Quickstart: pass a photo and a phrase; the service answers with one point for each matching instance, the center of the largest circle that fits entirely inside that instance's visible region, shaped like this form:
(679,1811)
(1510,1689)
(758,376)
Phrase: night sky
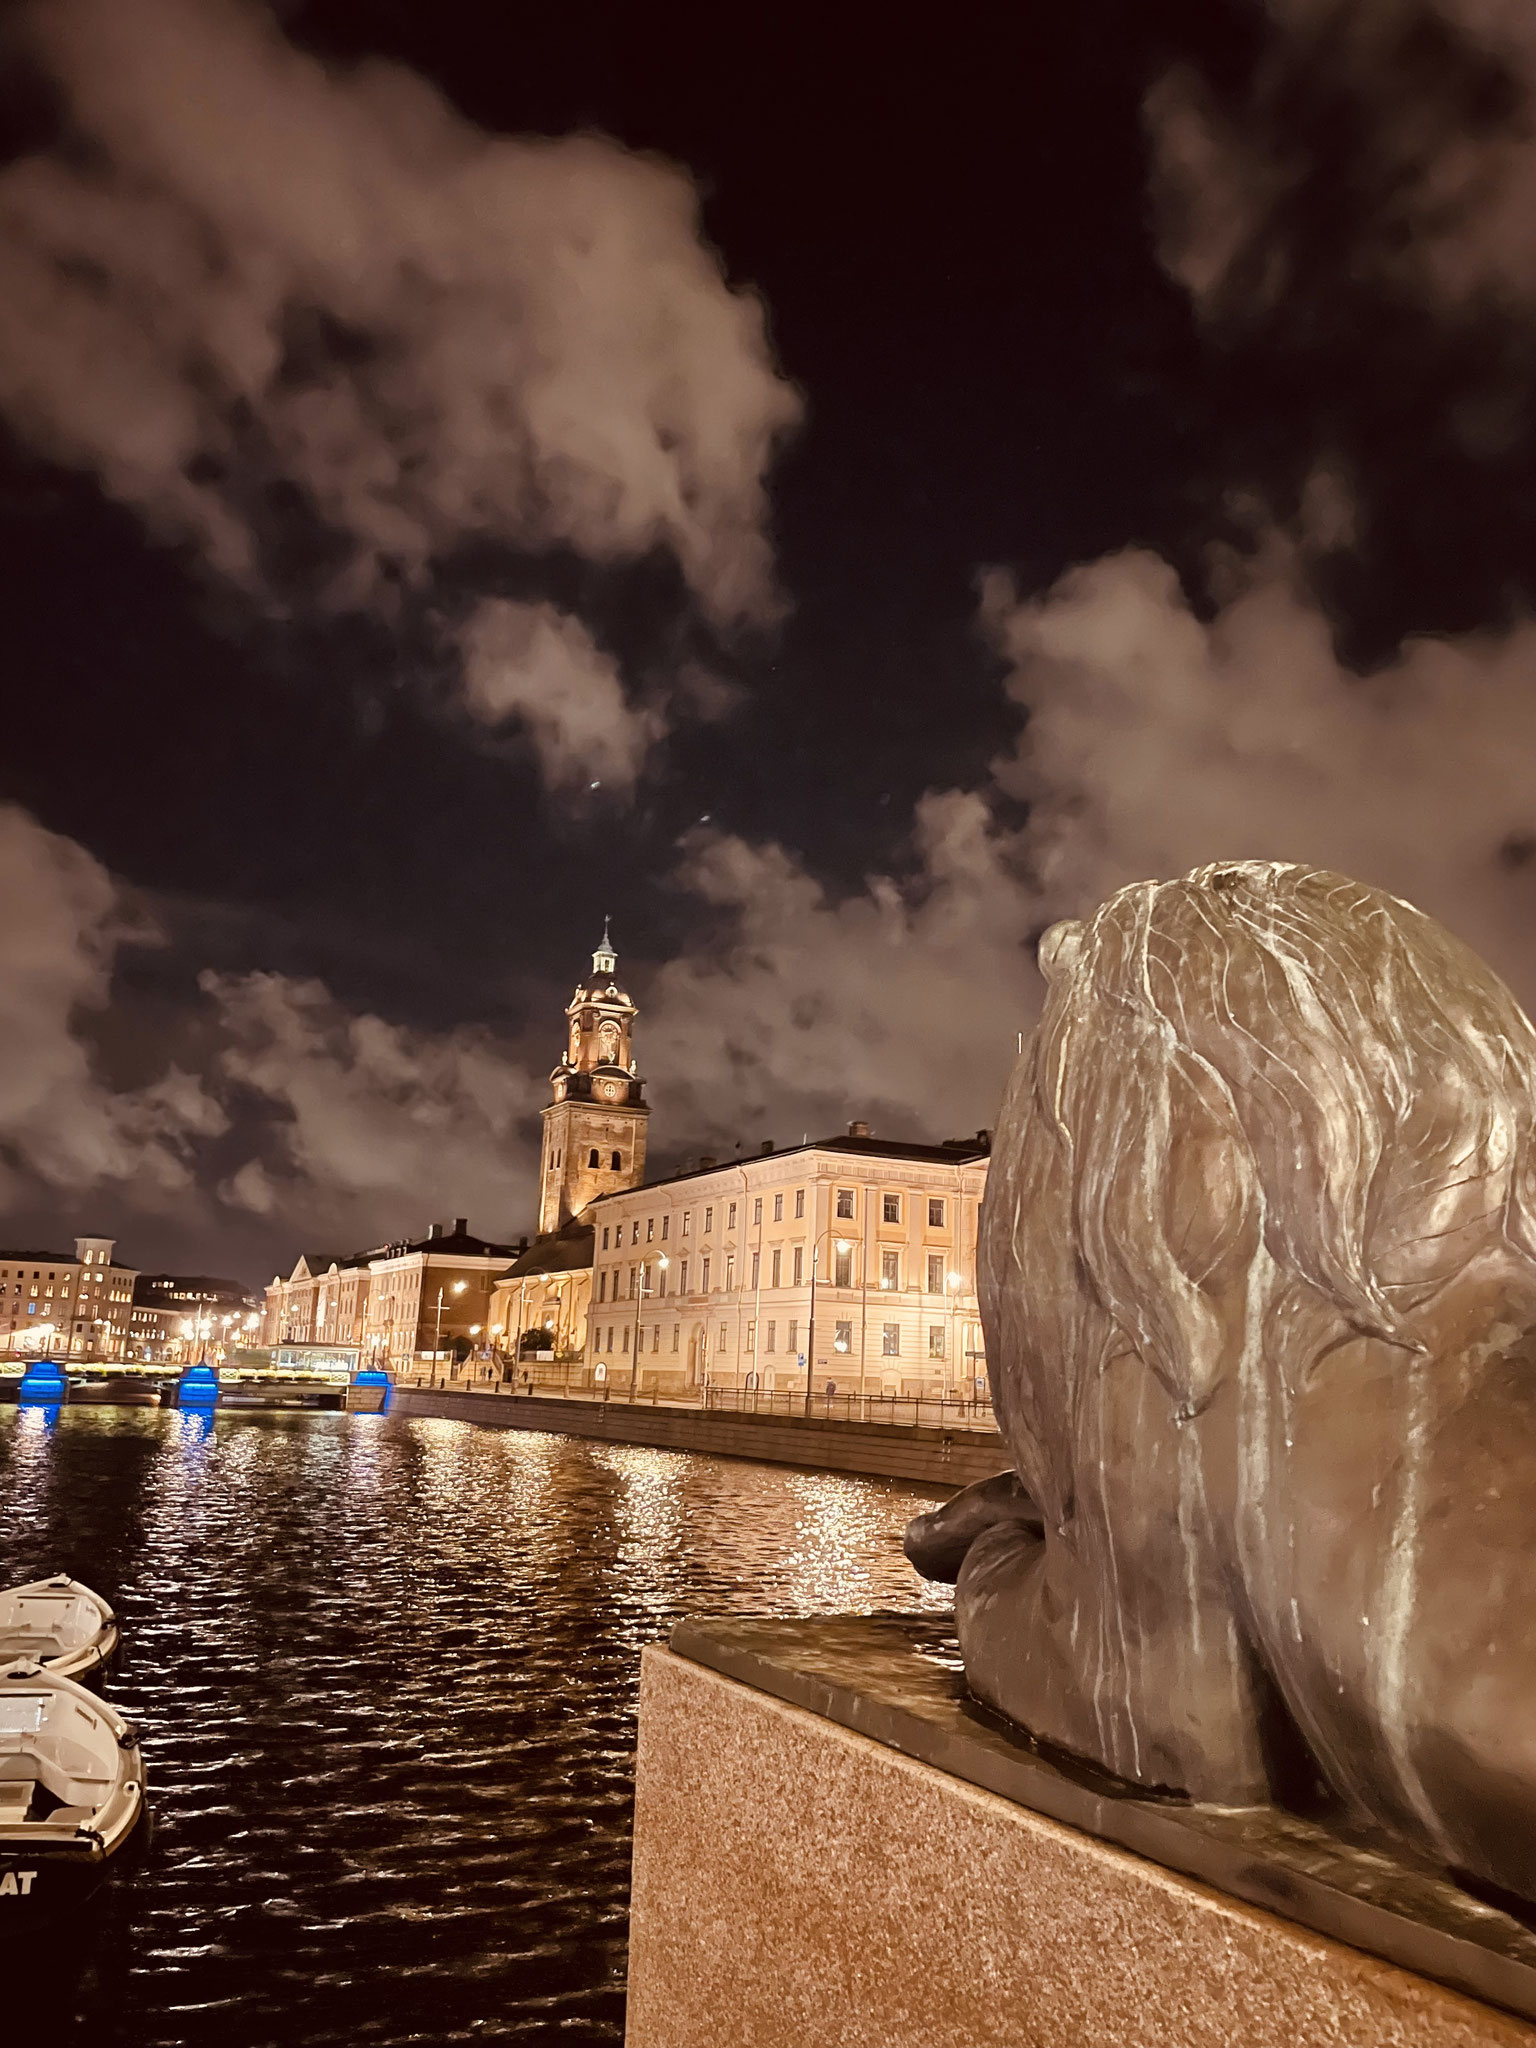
(1054,452)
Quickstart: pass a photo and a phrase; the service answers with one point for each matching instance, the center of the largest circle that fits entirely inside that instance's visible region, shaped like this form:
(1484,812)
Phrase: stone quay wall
(926,1457)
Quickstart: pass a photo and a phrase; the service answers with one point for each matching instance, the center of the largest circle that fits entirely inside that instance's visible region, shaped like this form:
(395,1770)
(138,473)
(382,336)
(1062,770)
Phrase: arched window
(617,1163)
(592,1157)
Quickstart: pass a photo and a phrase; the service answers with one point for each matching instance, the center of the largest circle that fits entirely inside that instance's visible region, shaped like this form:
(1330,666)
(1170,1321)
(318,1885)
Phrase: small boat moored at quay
(59,1624)
(71,1790)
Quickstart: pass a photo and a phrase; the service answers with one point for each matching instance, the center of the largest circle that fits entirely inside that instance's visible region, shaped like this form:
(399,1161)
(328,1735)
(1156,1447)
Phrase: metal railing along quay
(910,1411)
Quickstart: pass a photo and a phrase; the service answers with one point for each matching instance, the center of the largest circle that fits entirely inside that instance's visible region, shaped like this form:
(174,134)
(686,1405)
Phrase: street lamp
(954,1282)
(437,1341)
(640,1293)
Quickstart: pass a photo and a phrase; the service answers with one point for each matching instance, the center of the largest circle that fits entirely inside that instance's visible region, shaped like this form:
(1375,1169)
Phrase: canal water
(385,1671)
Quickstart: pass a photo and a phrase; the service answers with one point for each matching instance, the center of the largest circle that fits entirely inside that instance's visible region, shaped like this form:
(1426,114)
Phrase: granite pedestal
(833,1846)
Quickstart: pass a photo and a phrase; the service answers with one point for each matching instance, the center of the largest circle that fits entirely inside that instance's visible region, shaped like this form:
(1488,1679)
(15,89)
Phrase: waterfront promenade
(943,1444)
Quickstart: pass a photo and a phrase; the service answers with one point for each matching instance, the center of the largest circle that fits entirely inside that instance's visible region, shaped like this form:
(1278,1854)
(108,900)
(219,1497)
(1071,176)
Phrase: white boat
(60,1623)
(71,1789)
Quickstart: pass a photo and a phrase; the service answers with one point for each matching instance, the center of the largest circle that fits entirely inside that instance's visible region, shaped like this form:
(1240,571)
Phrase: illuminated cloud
(899,1002)
(1157,739)
(309,321)
(1389,143)
(62,1125)
(542,667)
(364,1129)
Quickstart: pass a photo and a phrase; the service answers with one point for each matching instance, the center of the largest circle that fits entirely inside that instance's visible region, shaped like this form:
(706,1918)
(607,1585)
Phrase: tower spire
(605,960)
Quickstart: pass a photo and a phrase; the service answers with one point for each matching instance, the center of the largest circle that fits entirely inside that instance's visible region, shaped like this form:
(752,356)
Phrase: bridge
(294,1375)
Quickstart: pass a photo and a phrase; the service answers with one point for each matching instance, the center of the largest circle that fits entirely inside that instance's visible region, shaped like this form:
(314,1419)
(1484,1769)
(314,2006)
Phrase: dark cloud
(309,322)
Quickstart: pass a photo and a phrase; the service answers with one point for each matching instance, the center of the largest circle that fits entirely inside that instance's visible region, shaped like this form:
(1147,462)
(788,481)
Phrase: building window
(798,1263)
(778,1208)
(631,1283)
(687,1221)
(935,1340)
(592,1157)
(730,1217)
(605,1237)
(890,1340)
(618,1163)
(935,1212)
(842,1337)
(792,1342)
(751,1336)
(890,1270)
(650,1228)
(602,1285)
(610,1337)
(730,1272)
(890,1208)
(709,1219)
(656,1338)
(845,1201)
(799,1202)
(624,1340)
(757,1269)
(721,1345)
(704,1281)
(682,1277)
(775,1266)
(842,1266)
(772,1333)
(634,1231)
(935,1272)
(677,1331)
(757,1209)
(664,1222)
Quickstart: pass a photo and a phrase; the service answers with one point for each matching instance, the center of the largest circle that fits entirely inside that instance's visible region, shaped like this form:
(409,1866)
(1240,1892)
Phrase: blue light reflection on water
(386,1672)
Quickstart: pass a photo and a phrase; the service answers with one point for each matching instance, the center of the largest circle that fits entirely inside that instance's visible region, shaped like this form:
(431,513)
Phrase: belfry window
(618,1163)
(592,1157)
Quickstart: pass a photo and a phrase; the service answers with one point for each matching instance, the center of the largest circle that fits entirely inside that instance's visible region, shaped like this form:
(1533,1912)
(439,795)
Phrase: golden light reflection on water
(386,1671)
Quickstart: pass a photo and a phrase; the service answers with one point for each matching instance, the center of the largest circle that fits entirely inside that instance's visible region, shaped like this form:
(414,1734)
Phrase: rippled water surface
(385,1671)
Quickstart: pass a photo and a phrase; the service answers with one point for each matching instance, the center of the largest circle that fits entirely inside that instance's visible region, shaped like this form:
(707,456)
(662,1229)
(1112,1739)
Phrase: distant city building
(422,1301)
(539,1307)
(173,1312)
(847,1265)
(67,1305)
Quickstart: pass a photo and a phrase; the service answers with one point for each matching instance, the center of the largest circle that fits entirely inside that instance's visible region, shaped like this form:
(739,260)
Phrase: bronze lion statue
(1258,1278)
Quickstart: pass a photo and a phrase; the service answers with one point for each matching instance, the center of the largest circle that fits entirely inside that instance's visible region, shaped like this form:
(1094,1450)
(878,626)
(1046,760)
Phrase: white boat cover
(70,1772)
(61,1623)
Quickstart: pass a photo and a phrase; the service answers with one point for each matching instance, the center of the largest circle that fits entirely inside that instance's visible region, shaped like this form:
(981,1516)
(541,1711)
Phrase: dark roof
(57,1259)
(953,1152)
(567,1250)
(454,1242)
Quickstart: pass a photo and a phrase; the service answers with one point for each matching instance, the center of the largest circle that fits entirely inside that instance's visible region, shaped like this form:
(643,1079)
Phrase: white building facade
(848,1265)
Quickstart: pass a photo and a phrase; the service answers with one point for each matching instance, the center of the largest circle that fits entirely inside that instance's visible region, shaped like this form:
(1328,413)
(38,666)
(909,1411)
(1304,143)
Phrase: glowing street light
(640,1294)
(458,1287)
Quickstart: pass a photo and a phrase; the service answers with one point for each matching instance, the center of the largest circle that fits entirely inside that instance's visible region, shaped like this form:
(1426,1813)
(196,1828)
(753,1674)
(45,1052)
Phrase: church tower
(594,1129)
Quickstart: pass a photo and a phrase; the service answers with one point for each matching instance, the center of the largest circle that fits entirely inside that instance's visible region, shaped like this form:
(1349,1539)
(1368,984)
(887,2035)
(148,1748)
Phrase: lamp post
(810,1331)
(437,1340)
(955,1281)
(641,1291)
